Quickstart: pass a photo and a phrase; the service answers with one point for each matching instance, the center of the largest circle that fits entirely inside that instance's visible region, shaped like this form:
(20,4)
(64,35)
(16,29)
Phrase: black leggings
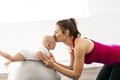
(109,72)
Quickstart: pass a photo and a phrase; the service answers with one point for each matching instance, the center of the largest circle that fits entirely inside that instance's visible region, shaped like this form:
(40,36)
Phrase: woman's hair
(69,24)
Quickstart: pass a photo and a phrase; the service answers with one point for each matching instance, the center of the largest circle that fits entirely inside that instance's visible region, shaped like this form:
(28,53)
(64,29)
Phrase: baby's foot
(7,63)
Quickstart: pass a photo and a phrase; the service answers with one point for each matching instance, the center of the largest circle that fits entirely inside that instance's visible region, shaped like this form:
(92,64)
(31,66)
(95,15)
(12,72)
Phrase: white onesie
(30,55)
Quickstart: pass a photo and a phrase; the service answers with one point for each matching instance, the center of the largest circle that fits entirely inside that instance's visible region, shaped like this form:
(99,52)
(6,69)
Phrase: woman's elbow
(76,76)
(71,67)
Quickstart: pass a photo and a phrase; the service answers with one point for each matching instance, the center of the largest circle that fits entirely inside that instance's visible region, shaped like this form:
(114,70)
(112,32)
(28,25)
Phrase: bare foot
(7,63)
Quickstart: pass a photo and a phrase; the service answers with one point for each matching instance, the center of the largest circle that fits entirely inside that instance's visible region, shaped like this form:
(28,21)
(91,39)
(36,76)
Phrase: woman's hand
(48,60)
(51,56)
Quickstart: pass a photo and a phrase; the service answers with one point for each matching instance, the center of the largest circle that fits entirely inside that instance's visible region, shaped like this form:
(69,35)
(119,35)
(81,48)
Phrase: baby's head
(49,42)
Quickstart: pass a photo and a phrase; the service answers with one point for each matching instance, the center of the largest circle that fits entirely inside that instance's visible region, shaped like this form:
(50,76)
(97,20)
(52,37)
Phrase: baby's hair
(47,39)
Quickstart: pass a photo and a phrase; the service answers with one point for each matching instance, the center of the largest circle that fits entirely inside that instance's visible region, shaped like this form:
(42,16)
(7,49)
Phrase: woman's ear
(66,33)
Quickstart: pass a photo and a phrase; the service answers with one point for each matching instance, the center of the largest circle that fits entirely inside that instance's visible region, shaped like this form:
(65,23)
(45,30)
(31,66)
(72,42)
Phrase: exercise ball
(31,70)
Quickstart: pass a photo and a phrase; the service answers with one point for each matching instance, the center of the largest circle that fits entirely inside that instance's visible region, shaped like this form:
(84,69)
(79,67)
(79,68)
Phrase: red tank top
(102,53)
(73,43)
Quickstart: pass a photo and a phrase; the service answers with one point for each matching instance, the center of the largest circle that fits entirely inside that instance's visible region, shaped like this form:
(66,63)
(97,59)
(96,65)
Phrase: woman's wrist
(54,66)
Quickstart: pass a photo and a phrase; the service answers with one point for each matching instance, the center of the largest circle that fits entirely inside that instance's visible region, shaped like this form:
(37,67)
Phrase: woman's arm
(77,66)
(39,56)
(17,57)
(70,66)
(78,62)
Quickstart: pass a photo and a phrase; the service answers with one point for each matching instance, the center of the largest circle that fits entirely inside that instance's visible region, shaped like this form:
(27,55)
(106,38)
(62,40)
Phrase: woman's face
(59,36)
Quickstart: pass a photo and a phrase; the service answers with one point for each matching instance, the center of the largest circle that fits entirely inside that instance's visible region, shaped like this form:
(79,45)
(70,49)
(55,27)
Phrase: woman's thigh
(105,72)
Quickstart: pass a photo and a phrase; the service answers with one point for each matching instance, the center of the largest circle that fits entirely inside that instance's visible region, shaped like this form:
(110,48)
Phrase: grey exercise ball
(31,70)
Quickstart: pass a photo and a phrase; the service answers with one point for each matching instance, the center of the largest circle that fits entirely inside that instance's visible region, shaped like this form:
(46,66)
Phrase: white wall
(36,10)
(103,28)
(104,7)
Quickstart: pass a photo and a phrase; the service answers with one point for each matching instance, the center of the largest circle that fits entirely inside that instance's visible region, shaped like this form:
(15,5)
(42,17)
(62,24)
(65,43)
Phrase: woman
(83,50)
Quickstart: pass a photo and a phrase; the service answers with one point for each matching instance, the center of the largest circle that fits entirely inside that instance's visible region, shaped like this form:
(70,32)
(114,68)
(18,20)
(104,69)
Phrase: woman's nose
(55,38)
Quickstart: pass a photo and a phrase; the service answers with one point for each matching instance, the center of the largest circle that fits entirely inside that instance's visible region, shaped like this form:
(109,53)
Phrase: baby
(48,43)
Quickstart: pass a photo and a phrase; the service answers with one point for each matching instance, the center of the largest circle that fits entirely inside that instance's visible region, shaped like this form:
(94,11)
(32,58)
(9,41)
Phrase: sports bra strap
(73,42)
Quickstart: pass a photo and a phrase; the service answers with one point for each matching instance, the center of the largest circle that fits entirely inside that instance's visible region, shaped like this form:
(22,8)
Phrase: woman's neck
(68,42)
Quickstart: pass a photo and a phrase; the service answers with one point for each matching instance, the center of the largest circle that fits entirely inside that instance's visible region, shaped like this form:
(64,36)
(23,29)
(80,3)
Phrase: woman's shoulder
(83,40)
(85,43)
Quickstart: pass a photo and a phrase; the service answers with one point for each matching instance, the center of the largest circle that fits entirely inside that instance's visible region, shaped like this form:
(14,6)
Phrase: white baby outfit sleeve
(43,50)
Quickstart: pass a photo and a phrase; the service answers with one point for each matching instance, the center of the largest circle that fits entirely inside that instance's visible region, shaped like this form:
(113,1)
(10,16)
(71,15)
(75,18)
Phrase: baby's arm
(38,55)
(17,57)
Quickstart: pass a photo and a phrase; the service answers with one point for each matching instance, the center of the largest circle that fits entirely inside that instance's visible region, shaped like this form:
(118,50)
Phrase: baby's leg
(17,57)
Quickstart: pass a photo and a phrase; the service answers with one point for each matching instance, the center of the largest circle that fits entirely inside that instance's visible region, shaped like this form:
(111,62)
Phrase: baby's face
(52,45)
